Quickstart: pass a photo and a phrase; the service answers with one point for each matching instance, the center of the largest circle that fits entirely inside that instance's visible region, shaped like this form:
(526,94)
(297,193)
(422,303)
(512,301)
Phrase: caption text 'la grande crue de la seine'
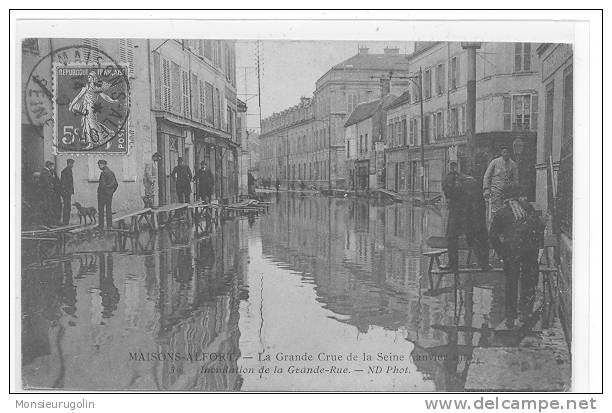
(297,363)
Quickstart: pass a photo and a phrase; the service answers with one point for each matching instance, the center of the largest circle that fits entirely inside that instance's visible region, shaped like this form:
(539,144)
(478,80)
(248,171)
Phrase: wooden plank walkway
(48,231)
(172,212)
(130,221)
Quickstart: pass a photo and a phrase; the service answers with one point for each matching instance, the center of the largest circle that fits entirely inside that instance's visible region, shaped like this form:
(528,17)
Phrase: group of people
(55,194)
(515,231)
(204,179)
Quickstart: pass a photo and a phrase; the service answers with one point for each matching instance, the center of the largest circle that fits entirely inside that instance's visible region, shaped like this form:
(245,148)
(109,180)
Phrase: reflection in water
(176,311)
(135,320)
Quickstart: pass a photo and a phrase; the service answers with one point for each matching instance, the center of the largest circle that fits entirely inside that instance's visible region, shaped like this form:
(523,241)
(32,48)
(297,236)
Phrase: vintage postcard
(227,213)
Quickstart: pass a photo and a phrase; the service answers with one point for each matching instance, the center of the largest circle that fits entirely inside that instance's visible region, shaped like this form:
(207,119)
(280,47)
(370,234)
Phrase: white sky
(289,69)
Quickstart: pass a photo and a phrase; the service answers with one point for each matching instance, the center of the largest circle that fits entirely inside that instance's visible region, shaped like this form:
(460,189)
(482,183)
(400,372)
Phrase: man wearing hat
(516,235)
(466,217)
(67,185)
(107,185)
(49,193)
(502,171)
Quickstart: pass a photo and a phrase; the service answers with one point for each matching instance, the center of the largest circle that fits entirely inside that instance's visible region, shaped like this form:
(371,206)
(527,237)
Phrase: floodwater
(318,294)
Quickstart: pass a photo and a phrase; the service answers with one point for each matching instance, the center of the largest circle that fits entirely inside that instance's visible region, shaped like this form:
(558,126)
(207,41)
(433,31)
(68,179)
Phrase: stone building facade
(306,142)
(506,112)
(554,168)
(182,103)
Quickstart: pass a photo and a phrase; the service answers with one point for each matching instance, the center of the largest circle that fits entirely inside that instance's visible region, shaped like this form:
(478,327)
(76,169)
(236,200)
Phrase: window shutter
(91,56)
(126,56)
(527,56)
(185,94)
(166,85)
(517,57)
(534,112)
(157,80)
(195,102)
(176,88)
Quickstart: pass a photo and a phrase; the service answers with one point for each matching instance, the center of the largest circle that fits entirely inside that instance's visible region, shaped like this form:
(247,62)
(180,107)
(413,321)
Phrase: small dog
(86,212)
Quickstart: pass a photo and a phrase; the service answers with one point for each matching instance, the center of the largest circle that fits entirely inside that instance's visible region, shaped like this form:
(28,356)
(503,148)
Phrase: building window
(217,109)
(208,47)
(534,112)
(402,176)
(404,132)
(228,116)
(507,113)
(462,120)
(426,129)
(348,149)
(185,94)
(366,143)
(522,57)
(177,101)
(438,125)
(520,112)
(210,114)
(166,85)
(454,77)
(360,144)
(454,122)
(202,101)
(427,84)
(440,79)
(30,45)
(415,92)
(352,102)
(413,130)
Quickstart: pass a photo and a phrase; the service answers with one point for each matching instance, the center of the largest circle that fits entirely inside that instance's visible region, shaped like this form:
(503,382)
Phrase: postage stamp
(85,100)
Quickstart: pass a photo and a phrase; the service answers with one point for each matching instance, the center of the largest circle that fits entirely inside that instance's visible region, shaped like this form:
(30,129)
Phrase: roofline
(419,52)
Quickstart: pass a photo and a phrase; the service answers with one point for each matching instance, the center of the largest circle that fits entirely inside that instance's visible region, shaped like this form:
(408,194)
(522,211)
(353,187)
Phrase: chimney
(363,50)
(385,86)
(391,50)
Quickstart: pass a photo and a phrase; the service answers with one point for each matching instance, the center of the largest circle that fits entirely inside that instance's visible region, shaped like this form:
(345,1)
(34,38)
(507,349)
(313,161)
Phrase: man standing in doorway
(183,177)
(501,172)
(107,185)
(50,203)
(205,182)
(67,185)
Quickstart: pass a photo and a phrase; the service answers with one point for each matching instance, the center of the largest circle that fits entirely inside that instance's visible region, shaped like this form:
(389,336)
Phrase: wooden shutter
(176,87)
(157,80)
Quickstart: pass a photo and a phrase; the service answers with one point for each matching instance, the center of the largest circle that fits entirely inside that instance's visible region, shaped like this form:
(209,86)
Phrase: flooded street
(319,294)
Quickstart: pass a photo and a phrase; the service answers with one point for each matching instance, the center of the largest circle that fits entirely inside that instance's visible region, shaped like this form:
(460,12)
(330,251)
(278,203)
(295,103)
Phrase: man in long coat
(466,217)
(107,185)
(67,184)
(516,235)
(183,176)
(50,203)
(205,182)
